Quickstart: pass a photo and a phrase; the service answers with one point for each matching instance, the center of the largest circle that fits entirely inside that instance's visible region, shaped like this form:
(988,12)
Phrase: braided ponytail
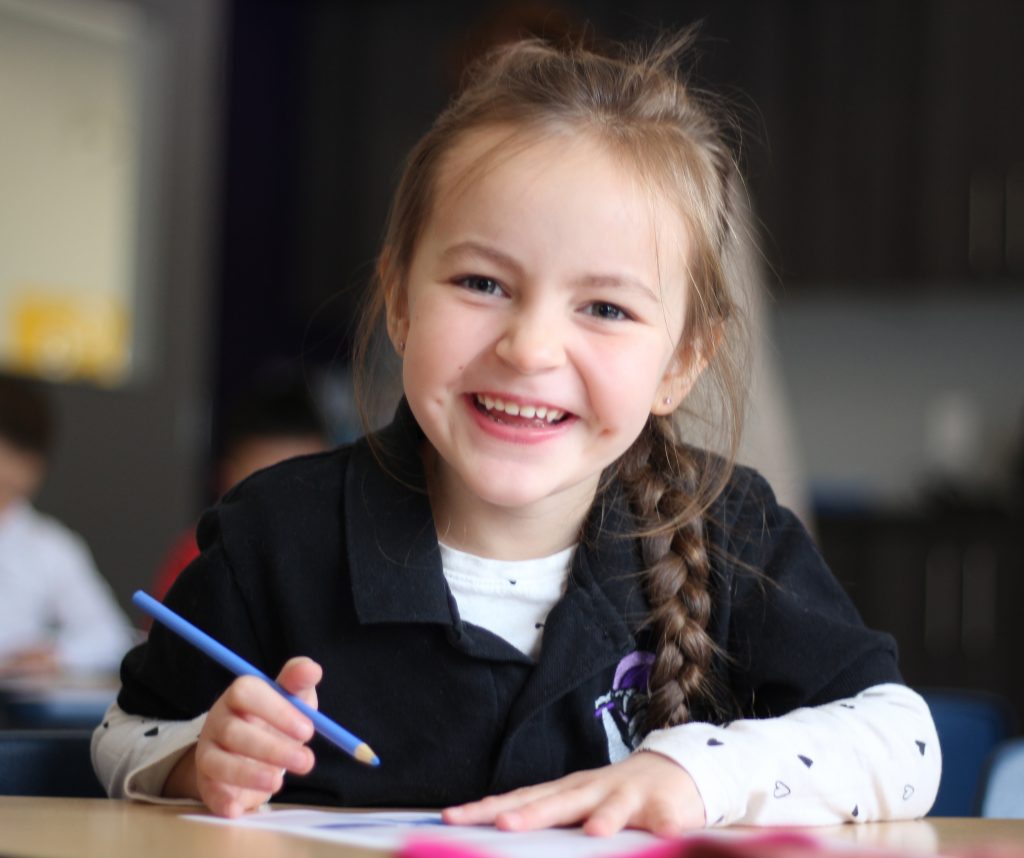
(661,479)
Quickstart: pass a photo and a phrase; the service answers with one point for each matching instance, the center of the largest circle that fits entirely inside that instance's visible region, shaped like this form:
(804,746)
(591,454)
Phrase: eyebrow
(619,282)
(484,250)
(592,280)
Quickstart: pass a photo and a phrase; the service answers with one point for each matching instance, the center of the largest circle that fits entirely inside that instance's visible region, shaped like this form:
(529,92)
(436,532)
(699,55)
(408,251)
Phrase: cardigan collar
(393,558)
(395,564)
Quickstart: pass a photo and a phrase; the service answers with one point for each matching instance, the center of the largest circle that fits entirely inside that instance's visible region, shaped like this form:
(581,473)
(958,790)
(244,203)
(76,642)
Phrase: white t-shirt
(511,598)
(53,595)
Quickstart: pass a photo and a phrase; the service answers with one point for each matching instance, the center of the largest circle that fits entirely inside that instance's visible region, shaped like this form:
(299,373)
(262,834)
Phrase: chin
(511,498)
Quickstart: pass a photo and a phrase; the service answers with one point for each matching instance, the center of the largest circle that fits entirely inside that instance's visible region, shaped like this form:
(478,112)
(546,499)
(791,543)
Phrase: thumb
(300,676)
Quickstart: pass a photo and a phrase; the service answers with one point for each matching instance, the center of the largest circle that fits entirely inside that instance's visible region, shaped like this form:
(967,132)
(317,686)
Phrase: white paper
(389,831)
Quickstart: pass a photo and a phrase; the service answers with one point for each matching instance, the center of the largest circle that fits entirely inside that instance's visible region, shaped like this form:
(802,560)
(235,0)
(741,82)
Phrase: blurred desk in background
(55,702)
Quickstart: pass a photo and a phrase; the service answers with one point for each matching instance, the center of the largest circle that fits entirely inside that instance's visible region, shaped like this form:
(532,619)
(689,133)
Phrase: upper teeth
(515,409)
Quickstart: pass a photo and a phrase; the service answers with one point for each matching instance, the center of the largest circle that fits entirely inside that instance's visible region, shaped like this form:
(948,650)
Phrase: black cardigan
(335,556)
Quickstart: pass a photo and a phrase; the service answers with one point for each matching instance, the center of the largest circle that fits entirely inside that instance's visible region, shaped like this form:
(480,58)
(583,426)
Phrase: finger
(669,818)
(565,807)
(664,820)
(220,800)
(249,697)
(234,770)
(231,784)
(627,808)
(484,811)
(260,742)
(229,801)
(611,816)
(300,676)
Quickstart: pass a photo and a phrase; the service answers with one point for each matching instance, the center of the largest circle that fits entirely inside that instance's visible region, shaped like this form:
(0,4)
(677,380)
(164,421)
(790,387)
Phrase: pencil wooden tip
(364,753)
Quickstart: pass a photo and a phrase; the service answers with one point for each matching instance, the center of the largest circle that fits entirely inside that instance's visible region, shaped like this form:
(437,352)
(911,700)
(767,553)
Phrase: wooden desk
(102,828)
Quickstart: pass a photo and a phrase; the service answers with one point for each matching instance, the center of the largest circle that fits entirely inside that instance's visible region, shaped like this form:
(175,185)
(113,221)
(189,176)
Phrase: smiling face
(540,322)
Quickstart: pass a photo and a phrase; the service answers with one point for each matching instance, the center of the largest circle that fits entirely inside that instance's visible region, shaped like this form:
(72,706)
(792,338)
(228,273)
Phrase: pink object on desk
(768,845)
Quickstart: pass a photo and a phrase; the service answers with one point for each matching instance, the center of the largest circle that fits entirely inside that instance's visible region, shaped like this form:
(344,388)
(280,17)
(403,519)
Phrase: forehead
(532,159)
(478,154)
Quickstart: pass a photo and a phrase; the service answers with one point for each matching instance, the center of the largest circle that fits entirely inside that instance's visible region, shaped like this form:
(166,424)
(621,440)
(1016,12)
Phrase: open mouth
(519,413)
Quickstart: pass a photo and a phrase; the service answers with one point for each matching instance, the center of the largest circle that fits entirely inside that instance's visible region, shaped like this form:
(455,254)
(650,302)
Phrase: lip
(536,434)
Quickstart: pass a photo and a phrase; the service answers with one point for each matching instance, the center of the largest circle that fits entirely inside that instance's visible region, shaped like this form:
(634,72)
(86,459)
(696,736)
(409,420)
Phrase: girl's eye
(485,285)
(604,310)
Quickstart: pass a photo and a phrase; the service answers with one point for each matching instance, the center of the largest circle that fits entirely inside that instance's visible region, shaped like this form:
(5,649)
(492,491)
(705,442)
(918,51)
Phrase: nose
(533,340)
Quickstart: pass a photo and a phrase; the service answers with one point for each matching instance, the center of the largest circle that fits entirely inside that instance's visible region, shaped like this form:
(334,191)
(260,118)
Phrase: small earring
(667,400)
(401,347)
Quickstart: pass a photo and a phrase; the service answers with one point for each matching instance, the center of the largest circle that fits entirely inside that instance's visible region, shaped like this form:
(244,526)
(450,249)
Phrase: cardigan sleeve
(789,634)
(168,678)
(814,725)
(871,757)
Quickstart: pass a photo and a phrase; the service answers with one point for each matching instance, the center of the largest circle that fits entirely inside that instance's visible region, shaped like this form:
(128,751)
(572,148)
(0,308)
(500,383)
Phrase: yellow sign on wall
(72,336)
(70,97)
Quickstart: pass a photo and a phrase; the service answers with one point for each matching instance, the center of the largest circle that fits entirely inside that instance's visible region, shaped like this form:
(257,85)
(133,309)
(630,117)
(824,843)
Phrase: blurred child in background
(273,419)
(57,613)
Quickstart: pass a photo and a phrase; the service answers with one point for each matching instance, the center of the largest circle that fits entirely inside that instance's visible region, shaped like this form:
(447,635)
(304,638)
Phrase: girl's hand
(251,737)
(646,791)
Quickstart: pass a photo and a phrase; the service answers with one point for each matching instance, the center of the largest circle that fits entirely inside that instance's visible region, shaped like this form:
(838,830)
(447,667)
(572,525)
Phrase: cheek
(448,334)
(427,335)
(436,352)
(422,364)
(623,390)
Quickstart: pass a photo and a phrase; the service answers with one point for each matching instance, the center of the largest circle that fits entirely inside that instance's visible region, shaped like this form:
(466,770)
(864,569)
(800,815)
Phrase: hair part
(639,105)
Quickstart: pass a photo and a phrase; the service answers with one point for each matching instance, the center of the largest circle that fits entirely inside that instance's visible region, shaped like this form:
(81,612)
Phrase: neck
(7,502)
(467,523)
(500,535)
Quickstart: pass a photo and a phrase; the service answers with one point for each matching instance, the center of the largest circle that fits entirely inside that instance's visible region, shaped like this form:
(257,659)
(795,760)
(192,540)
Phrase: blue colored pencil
(327,728)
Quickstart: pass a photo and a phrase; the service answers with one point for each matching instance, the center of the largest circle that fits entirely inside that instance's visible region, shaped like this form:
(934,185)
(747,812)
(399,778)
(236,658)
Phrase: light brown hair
(638,104)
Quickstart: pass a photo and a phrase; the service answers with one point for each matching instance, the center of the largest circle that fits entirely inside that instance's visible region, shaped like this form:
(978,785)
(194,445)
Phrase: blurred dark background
(882,142)
(884,148)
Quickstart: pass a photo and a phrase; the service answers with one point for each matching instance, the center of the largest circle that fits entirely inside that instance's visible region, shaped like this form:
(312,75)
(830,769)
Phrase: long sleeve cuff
(871,757)
(133,756)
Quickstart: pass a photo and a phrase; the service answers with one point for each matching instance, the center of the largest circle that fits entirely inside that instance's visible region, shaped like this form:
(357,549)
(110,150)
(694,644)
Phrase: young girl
(529,586)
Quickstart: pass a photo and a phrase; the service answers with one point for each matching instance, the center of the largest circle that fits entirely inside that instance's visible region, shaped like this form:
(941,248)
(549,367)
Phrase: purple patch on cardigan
(632,674)
(622,709)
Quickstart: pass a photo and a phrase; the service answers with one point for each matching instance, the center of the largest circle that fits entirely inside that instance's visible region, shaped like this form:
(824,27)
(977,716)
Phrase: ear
(682,373)
(396,308)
